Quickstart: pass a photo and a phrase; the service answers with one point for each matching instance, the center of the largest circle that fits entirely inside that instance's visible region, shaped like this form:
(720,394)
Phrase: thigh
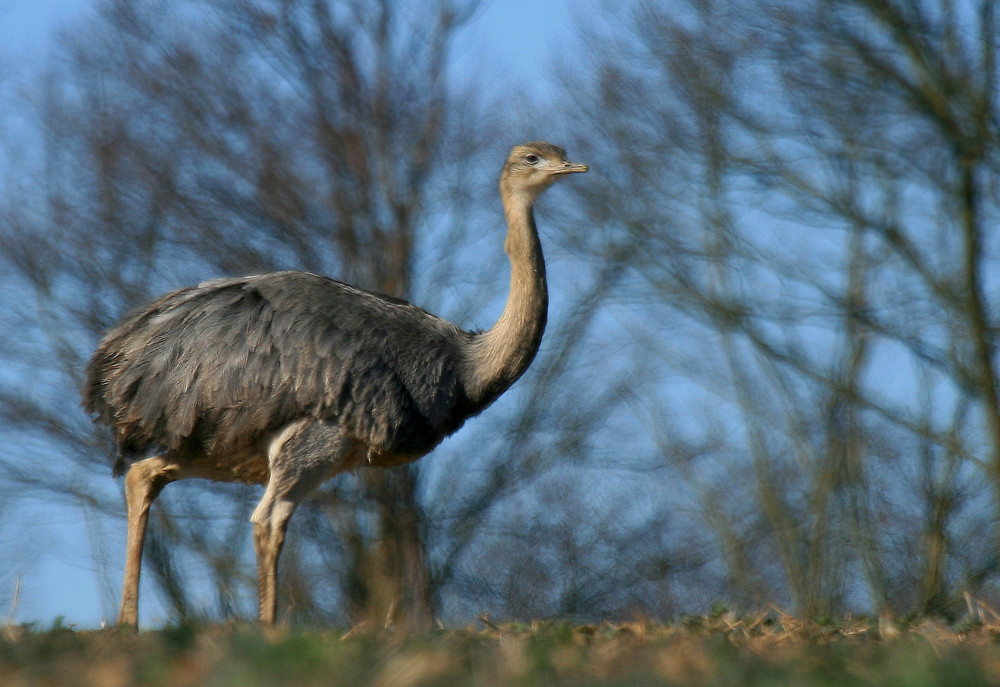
(305,454)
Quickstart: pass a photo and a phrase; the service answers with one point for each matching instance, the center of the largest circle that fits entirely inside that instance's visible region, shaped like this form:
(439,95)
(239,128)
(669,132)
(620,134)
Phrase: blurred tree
(806,192)
(185,140)
(768,374)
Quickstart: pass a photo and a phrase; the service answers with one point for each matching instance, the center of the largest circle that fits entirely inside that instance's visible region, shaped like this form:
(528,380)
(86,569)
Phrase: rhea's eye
(531,159)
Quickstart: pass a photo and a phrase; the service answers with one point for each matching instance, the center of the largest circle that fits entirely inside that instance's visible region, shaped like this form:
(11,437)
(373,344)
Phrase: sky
(507,37)
(508,41)
(27,25)
(516,38)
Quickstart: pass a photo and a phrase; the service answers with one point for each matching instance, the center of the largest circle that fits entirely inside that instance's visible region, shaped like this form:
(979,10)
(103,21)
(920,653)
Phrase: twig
(17,600)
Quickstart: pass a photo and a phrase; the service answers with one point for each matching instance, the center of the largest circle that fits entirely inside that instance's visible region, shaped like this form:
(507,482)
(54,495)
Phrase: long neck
(498,357)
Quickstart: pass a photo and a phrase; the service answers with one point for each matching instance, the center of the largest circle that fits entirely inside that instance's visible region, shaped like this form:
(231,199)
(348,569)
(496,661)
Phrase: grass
(765,649)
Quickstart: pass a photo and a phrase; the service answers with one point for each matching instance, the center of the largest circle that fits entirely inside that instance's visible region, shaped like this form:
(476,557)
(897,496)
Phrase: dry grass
(764,649)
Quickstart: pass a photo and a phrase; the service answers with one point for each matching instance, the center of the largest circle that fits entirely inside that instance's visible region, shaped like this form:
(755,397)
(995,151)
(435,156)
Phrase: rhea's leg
(300,458)
(268,539)
(143,483)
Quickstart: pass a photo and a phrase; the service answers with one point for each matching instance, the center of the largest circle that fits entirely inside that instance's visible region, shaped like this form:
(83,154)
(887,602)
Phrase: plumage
(287,378)
(212,368)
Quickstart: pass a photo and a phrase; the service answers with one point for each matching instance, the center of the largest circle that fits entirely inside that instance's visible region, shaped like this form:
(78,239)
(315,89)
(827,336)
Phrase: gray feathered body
(212,371)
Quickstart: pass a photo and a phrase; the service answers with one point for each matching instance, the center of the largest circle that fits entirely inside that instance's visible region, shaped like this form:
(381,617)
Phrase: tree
(188,140)
(807,190)
(768,374)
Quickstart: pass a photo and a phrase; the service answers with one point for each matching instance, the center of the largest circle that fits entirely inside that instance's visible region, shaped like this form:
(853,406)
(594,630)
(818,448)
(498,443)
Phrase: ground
(765,649)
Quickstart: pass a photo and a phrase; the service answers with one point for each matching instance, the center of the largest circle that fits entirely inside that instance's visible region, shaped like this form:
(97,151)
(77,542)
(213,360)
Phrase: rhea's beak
(570,168)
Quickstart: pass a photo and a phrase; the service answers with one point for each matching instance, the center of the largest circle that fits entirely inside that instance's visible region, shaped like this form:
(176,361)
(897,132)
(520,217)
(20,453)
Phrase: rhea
(288,378)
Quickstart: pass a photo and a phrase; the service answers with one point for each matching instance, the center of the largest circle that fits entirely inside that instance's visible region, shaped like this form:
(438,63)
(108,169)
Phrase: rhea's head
(533,167)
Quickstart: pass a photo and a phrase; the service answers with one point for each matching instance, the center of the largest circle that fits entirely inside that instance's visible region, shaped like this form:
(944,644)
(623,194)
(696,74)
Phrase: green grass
(719,650)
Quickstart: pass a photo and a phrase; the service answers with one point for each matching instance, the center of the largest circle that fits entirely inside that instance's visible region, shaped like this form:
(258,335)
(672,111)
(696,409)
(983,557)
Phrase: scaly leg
(143,484)
(301,457)
(268,538)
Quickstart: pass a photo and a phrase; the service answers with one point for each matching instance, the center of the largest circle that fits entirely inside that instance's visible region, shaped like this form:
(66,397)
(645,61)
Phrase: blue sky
(506,38)
(26,26)
(509,42)
(516,40)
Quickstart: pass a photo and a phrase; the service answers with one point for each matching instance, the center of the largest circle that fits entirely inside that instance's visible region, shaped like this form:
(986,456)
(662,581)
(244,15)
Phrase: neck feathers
(498,357)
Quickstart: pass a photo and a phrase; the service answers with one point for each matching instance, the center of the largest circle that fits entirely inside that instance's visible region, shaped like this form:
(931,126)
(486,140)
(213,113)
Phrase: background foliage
(770,371)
